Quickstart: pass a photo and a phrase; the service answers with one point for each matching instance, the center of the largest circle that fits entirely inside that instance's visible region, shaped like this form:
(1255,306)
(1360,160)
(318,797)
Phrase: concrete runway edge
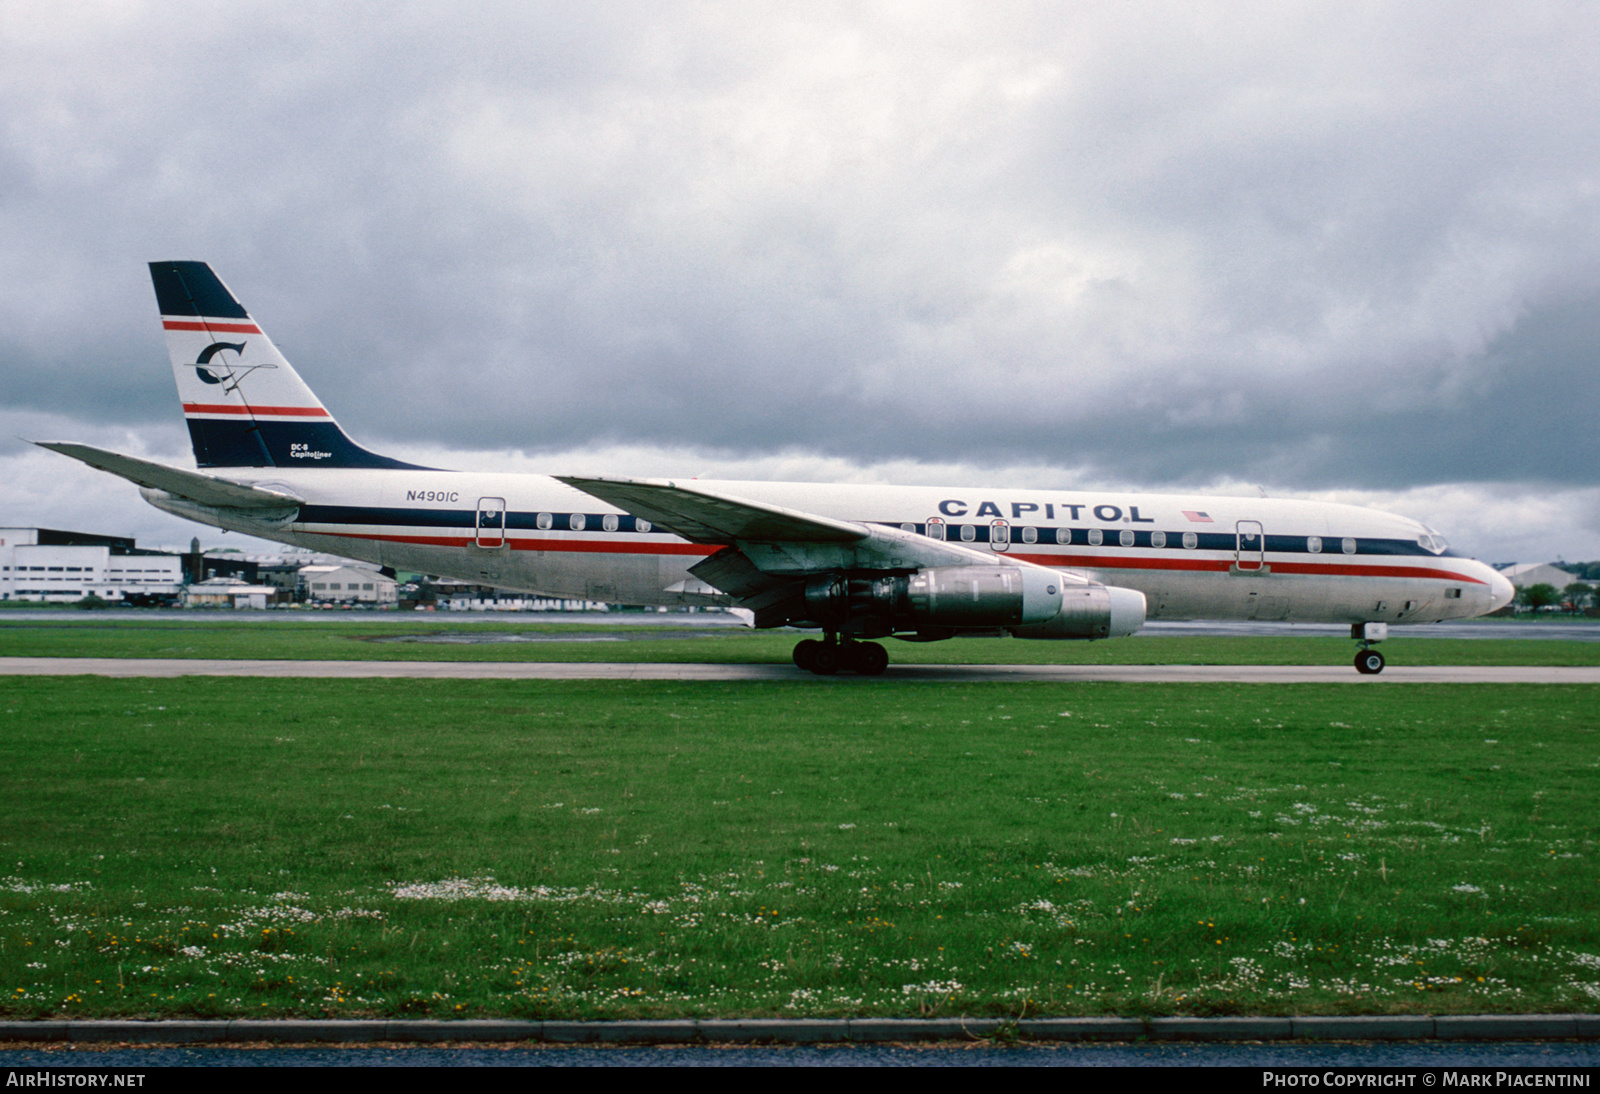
(1471,1027)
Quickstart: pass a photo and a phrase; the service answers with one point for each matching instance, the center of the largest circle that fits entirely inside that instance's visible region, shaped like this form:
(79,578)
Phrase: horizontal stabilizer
(202,489)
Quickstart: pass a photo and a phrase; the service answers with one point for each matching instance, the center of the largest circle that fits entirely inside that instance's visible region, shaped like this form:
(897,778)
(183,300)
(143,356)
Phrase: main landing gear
(1369,662)
(831,656)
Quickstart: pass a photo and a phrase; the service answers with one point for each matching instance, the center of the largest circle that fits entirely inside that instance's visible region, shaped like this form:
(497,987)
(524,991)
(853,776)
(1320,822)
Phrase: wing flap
(191,485)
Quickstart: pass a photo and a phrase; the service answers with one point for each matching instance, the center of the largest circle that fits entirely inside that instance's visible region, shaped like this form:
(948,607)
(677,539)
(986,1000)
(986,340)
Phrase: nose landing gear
(1369,662)
(831,656)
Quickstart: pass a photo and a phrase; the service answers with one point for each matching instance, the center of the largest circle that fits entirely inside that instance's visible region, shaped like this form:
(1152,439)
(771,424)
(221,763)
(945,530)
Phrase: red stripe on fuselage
(617,547)
(225,328)
(253,411)
(605,547)
(1223,565)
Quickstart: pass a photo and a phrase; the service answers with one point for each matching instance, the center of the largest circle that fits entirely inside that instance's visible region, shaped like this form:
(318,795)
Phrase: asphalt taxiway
(619,670)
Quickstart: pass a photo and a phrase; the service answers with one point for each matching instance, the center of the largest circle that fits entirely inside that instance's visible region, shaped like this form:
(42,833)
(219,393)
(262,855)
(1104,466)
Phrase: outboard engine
(1030,601)
(1092,611)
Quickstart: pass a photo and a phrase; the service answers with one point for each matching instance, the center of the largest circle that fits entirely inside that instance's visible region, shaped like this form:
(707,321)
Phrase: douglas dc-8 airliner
(855,562)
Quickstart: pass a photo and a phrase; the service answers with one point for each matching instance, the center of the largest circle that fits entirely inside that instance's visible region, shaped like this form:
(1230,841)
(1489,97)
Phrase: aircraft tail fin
(245,404)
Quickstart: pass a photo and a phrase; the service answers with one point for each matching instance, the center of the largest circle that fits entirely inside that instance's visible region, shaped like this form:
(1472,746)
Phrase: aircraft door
(999,535)
(1251,545)
(491,522)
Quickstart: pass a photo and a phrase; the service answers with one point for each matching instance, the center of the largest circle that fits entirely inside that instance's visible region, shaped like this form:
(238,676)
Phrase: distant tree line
(1576,597)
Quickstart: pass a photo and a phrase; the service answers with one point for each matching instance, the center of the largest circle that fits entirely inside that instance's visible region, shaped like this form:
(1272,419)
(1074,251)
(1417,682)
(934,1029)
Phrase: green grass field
(607,849)
(209,635)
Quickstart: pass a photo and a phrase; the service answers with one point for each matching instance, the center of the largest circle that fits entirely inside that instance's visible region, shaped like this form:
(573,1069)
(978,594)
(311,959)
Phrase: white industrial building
(347,584)
(46,564)
(1525,574)
(224,592)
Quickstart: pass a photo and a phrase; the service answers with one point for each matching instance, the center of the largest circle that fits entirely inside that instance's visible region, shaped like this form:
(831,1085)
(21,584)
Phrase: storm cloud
(1312,248)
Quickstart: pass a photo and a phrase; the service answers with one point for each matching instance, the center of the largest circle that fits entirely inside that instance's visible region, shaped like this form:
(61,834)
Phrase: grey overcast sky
(1342,250)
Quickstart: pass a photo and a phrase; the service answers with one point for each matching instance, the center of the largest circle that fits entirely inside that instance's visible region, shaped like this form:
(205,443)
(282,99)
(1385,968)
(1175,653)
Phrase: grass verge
(206,636)
(219,847)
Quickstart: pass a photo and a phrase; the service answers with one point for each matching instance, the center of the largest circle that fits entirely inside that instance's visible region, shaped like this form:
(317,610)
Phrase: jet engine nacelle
(985,597)
(1091,611)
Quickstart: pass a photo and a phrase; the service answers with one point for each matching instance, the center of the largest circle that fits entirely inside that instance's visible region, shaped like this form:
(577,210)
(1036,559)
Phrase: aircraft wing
(701,516)
(777,540)
(768,551)
(202,489)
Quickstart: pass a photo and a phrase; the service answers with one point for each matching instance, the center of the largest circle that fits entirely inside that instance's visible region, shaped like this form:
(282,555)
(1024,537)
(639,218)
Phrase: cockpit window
(1432,541)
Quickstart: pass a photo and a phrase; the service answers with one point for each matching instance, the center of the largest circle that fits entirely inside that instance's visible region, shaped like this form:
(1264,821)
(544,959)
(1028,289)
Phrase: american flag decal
(1198,517)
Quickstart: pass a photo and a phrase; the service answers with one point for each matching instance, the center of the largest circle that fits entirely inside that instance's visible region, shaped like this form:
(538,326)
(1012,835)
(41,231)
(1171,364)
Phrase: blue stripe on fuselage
(465,519)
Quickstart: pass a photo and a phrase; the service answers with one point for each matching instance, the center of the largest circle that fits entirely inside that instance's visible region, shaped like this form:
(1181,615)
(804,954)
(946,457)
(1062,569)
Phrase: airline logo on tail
(245,404)
(226,372)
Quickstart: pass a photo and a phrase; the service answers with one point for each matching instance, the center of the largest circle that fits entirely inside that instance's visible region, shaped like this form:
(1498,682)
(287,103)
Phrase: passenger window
(908,527)
(1314,544)
(1158,539)
(1347,545)
(1190,541)
(576,522)
(1126,538)
(641,525)
(1030,535)
(969,532)
(609,523)
(1096,537)
(544,520)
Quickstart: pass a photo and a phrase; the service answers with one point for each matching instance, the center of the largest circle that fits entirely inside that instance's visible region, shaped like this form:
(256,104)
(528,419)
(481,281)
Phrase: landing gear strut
(831,656)
(1369,662)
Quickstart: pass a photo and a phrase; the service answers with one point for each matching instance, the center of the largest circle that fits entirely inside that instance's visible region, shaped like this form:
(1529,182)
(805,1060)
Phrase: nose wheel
(832,656)
(1369,662)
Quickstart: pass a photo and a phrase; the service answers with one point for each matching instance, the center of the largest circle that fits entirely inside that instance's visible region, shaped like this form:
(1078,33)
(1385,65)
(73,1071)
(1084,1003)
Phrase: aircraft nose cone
(1500,592)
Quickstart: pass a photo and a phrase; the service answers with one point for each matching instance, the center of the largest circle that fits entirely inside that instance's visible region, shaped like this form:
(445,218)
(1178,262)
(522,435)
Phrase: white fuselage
(1192,557)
